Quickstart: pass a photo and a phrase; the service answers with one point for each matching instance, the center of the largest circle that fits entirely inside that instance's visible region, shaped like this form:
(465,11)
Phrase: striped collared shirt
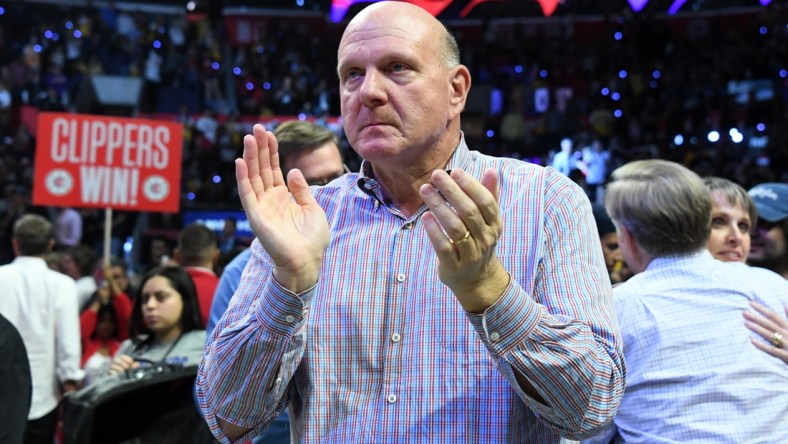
(380,351)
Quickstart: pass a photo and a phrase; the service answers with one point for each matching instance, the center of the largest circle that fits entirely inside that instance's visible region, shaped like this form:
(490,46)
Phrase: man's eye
(397,67)
(717,222)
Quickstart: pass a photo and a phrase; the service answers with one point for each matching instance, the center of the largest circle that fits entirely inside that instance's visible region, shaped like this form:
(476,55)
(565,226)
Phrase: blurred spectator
(733,218)
(43,306)
(103,325)
(17,205)
(197,252)
(123,224)
(68,228)
(150,89)
(159,252)
(79,262)
(595,161)
(5,104)
(564,160)
(614,261)
(228,240)
(208,125)
(769,241)
(54,260)
(118,273)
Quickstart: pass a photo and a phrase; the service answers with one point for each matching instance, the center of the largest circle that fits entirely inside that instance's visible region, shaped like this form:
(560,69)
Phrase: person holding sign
(438,295)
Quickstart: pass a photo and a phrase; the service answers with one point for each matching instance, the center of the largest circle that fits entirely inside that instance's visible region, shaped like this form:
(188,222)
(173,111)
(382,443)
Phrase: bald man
(437,295)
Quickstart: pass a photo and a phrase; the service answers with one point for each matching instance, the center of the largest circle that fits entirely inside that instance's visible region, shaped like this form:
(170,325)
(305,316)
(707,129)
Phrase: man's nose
(373,91)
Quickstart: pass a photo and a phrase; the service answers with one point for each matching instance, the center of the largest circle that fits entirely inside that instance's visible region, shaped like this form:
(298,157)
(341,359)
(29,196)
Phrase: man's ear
(176,255)
(460,83)
(634,256)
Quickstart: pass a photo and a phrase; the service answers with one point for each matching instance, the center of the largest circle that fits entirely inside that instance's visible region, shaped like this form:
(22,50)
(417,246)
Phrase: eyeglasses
(320,181)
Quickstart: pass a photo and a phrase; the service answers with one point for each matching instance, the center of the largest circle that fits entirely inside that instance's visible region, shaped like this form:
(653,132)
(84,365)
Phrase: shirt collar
(680,260)
(367,183)
(30,260)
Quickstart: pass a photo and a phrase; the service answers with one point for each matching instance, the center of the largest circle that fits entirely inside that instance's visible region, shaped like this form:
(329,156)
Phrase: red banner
(107,162)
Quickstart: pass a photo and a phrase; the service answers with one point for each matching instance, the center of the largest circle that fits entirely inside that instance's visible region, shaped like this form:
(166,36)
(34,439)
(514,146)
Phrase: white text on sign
(96,142)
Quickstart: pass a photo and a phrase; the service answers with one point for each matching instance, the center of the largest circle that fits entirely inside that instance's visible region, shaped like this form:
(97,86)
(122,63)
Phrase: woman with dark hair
(165,322)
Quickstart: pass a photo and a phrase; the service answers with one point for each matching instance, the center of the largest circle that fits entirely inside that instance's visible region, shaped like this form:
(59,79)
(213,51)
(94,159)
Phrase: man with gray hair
(42,305)
(694,374)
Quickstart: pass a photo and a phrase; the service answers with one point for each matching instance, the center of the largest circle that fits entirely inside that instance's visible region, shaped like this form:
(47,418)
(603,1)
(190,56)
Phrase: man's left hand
(464,225)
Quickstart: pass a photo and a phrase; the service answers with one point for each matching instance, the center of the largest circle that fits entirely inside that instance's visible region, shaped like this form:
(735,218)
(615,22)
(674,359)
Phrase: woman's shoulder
(189,349)
(193,340)
(194,335)
(125,347)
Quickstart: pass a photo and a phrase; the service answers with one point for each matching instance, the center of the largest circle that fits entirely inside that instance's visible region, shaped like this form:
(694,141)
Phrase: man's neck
(404,191)
(204,267)
(401,183)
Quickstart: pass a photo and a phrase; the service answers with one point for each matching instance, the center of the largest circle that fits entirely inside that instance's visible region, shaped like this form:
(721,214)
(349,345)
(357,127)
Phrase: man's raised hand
(285,218)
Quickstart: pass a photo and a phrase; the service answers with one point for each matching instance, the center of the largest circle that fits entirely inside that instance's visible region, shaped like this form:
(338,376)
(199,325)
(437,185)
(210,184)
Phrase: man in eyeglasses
(313,149)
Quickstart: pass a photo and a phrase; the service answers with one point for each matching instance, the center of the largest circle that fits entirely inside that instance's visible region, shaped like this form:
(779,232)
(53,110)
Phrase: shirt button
(400,277)
(289,319)
(408,226)
(395,337)
(305,312)
(391,399)
(494,336)
(278,380)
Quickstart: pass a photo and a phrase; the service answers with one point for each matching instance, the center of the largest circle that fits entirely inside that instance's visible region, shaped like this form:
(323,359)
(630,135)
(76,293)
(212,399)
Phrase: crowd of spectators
(706,90)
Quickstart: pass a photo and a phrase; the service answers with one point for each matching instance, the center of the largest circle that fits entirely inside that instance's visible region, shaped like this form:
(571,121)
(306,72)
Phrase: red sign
(107,162)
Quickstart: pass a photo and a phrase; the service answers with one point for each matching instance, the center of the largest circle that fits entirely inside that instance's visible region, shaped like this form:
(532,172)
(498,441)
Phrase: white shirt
(596,163)
(86,286)
(693,376)
(564,162)
(42,305)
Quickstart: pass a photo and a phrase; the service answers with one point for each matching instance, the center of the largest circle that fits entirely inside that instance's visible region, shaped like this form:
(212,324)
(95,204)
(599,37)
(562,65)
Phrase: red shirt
(206,281)
(87,324)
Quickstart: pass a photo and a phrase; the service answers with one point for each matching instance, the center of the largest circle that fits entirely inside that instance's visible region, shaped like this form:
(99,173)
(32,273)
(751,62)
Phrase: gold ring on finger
(777,339)
(463,239)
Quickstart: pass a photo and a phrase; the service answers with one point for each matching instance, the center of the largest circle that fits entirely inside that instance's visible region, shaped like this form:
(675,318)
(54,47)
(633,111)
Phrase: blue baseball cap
(771,200)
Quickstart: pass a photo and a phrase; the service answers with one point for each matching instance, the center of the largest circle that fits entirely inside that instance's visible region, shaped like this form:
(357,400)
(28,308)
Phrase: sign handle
(107,234)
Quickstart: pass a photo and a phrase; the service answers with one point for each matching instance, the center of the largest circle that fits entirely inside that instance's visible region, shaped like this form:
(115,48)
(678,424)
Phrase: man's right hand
(285,218)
